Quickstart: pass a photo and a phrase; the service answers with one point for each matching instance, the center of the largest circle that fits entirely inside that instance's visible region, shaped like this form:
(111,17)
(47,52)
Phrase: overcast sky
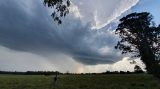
(31,40)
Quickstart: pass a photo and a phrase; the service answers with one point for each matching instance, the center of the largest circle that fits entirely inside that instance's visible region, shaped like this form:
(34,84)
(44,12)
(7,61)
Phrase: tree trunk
(147,56)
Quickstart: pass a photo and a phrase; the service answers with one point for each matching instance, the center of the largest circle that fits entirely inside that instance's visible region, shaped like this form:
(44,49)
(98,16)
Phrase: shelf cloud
(86,35)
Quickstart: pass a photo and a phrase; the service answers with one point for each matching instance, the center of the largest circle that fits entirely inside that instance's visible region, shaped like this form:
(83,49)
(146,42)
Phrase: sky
(31,40)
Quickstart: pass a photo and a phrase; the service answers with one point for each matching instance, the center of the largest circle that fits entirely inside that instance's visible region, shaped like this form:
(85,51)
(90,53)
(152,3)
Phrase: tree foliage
(140,37)
(60,8)
(137,69)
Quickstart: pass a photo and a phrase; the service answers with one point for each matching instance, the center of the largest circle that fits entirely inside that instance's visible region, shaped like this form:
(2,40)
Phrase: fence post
(55,80)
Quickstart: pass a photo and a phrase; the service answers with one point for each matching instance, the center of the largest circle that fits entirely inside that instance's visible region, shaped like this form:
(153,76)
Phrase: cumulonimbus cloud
(27,26)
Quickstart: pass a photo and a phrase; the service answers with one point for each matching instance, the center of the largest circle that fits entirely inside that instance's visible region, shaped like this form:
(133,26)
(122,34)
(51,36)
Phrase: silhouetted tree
(140,37)
(60,8)
(138,69)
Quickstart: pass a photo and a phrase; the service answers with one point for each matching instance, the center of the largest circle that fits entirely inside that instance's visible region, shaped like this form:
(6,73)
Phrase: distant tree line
(123,72)
(137,70)
(31,72)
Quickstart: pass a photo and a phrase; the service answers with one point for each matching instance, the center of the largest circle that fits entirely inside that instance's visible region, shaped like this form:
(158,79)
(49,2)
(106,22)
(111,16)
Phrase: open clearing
(112,81)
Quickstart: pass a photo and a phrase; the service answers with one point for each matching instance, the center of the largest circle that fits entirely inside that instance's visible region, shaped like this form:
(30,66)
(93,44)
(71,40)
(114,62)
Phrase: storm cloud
(26,26)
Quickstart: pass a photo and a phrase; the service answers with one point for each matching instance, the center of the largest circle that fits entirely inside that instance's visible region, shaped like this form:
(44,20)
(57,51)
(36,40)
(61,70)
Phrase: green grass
(141,81)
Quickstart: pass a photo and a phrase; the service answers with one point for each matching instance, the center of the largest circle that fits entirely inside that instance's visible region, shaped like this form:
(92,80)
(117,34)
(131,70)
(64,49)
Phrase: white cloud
(102,12)
(125,65)
(122,65)
(75,11)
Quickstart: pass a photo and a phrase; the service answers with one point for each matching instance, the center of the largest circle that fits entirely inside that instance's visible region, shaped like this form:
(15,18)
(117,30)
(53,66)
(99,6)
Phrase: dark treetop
(60,8)
(140,37)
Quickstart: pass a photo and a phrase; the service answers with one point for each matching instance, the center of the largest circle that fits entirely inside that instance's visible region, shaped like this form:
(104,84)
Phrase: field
(132,81)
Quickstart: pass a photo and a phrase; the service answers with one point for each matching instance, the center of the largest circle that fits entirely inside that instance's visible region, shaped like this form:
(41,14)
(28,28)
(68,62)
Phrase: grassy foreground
(132,81)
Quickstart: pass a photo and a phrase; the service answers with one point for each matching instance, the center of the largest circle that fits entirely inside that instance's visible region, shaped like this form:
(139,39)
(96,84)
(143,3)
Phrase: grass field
(132,81)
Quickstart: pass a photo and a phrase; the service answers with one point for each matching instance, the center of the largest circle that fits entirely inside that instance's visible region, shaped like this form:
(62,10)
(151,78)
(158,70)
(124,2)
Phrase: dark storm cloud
(27,26)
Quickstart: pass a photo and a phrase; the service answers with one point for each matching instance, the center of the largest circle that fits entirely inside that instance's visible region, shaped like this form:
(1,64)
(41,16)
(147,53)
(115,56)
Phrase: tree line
(31,72)
(137,70)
